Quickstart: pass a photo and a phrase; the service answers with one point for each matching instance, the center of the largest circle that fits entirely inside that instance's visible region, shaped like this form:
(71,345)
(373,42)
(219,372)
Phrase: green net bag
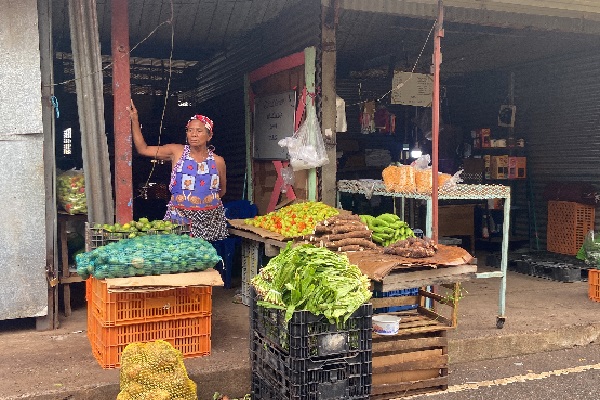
(148,255)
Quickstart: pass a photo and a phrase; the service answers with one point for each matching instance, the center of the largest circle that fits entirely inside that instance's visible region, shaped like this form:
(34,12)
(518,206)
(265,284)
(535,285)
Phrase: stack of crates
(180,316)
(309,358)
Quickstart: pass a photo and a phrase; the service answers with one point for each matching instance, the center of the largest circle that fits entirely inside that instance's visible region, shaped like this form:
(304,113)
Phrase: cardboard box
(474,165)
(487,163)
(517,167)
(499,167)
(485,135)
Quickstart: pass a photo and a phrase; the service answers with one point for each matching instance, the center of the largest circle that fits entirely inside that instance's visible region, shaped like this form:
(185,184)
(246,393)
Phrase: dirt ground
(60,361)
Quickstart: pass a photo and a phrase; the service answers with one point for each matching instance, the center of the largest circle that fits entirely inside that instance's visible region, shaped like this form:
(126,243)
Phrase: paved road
(566,374)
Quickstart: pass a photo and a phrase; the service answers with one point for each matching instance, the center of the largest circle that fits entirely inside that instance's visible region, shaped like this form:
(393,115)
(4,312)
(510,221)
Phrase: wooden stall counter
(414,360)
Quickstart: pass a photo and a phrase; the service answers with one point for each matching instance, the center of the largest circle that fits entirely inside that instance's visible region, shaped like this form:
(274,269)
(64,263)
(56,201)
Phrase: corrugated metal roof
(479,34)
(200,28)
(584,9)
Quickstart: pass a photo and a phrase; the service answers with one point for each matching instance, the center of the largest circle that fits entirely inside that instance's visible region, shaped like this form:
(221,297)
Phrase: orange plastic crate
(191,336)
(568,223)
(594,284)
(124,308)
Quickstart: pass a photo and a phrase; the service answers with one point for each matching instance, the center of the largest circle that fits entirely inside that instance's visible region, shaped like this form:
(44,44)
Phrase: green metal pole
(310,57)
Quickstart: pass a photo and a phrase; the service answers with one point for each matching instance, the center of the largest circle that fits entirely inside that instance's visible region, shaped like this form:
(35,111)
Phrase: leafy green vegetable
(312,278)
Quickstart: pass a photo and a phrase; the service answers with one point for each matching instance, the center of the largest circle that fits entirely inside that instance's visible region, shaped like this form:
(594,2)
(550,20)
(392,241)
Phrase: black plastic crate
(312,336)
(277,375)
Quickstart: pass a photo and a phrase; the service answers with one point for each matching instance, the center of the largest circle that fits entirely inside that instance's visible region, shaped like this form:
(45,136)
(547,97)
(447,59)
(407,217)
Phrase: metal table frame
(369,187)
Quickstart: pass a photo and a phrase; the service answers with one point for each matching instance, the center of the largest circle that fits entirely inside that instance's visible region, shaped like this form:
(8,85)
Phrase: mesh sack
(154,370)
(70,191)
(148,255)
(399,178)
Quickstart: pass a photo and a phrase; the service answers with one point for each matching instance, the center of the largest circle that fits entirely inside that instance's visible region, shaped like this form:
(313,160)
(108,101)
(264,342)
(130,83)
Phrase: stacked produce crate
(309,358)
(180,316)
(568,223)
(415,360)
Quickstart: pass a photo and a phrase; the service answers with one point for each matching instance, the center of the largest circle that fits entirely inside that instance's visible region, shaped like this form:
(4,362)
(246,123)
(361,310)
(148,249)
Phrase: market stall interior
(359,190)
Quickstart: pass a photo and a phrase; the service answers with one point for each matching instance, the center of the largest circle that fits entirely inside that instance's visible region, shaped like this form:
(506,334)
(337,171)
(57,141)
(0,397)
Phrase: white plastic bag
(306,146)
(70,191)
(287,174)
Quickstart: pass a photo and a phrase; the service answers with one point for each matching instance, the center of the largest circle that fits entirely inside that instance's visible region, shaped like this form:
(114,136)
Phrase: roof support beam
(122,96)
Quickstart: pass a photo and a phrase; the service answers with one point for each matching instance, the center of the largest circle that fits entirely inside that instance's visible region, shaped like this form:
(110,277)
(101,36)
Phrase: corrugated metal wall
(558,110)
(301,27)
(220,82)
(558,115)
(472,102)
(23,285)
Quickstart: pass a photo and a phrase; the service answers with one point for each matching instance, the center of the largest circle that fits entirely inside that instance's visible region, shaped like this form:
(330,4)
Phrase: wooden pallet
(415,360)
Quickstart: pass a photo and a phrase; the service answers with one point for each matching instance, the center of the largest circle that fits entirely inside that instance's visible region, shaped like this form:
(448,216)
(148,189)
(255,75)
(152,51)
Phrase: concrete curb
(487,348)
(236,382)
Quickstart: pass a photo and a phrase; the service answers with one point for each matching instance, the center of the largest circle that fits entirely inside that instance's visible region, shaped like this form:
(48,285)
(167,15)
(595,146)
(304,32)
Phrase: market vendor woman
(198,177)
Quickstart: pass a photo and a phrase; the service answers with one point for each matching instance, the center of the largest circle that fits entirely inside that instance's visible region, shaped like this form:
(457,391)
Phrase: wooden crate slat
(404,376)
(408,344)
(435,316)
(423,329)
(408,388)
(434,362)
(395,301)
(398,280)
(401,358)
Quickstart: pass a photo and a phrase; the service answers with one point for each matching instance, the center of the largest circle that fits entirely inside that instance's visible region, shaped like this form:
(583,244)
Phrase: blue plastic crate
(395,293)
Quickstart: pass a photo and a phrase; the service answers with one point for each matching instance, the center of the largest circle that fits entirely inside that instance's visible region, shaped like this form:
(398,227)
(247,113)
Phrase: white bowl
(386,324)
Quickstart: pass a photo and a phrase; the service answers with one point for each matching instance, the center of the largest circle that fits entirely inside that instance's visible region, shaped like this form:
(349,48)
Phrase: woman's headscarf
(208,123)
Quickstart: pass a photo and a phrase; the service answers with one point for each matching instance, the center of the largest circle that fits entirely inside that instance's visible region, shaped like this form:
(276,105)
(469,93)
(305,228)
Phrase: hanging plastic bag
(447,182)
(422,162)
(287,174)
(70,191)
(306,147)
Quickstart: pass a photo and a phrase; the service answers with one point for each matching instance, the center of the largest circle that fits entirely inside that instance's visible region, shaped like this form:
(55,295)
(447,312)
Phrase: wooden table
(369,187)
(397,273)
(66,277)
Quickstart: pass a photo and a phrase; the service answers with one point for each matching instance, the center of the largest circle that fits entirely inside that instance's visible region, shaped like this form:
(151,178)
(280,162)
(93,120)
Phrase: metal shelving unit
(369,188)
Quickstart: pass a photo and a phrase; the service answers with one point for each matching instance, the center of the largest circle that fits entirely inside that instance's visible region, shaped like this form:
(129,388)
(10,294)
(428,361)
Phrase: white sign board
(412,89)
(273,120)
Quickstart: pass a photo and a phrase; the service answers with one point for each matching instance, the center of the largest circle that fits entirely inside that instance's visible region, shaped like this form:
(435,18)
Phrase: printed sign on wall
(273,121)
(412,89)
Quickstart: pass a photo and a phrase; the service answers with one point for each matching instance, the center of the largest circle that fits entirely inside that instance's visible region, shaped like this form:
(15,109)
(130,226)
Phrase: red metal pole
(122,95)
(435,118)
